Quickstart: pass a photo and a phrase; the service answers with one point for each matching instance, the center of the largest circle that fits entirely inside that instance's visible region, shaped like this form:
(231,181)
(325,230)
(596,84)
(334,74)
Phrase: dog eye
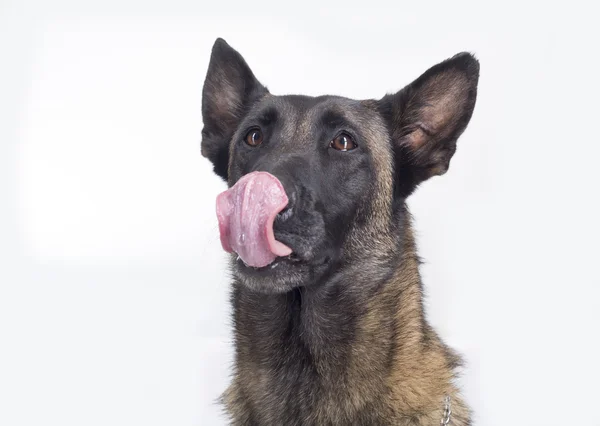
(343,142)
(254,137)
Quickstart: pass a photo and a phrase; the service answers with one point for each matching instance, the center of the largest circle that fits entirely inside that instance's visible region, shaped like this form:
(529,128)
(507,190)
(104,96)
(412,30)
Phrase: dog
(328,315)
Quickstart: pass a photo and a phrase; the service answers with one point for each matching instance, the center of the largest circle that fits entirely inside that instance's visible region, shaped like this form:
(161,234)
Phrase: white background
(113,296)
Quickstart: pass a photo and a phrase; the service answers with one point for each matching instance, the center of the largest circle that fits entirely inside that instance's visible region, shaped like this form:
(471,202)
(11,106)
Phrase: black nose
(293,171)
(290,191)
(285,214)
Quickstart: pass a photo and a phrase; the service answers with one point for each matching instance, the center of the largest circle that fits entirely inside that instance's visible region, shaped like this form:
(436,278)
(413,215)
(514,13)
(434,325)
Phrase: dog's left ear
(229,91)
(427,117)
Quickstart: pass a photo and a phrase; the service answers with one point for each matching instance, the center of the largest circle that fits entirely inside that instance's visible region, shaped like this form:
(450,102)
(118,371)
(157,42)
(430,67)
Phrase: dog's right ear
(229,90)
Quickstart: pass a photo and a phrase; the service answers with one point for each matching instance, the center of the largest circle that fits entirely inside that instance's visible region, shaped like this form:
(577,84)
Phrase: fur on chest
(300,397)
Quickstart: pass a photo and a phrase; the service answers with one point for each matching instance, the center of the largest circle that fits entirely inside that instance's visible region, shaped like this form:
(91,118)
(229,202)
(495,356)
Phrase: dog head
(346,166)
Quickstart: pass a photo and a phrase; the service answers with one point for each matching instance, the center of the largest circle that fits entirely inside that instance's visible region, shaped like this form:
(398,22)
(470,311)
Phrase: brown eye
(254,137)
(343,142)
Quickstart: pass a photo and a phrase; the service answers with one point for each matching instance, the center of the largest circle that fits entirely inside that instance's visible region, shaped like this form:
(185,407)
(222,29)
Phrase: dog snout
(291,187)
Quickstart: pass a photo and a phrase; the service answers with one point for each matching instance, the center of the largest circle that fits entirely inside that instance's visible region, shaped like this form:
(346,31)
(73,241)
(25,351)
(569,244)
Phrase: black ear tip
(220,44)
(467,62)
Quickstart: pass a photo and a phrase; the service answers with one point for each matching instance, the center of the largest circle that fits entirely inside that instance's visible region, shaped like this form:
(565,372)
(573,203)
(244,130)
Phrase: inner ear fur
(230,89)
(427,117)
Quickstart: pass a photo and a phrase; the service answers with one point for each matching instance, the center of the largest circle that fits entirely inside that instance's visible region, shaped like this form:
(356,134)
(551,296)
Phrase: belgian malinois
(327,297)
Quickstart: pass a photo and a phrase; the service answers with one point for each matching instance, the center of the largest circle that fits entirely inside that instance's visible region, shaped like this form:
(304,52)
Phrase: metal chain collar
(447,412)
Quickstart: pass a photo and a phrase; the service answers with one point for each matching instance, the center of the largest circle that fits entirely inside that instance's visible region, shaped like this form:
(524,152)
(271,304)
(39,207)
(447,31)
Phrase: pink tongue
(246,213)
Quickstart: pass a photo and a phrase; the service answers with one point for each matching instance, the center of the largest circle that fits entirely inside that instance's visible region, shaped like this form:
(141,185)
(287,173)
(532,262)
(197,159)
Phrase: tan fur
(413,388)
(411,391)
(354,348)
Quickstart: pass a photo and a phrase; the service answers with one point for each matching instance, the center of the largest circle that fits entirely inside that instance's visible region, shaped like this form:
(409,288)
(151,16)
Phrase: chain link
(447,412)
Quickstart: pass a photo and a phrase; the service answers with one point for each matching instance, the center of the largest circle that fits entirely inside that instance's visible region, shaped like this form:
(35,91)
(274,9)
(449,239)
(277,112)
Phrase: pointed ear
(229,91)
(427,117)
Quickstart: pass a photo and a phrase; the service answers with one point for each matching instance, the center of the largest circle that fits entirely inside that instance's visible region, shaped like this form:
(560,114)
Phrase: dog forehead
(301,116)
